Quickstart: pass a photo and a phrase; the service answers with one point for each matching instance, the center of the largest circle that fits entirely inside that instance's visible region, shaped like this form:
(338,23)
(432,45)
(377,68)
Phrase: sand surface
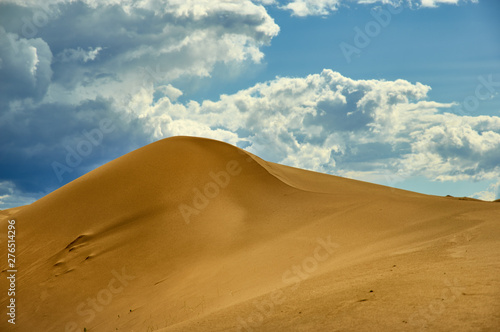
(190,234)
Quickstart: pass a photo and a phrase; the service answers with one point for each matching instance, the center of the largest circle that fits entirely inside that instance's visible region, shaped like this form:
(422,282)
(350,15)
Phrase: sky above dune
(401,93)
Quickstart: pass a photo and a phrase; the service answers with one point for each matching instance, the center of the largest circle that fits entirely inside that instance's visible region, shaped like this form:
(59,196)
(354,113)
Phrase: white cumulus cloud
(366,129)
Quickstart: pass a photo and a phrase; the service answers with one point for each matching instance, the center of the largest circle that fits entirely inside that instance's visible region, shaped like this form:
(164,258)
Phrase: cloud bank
(326,122)
(67,65)
(70,102)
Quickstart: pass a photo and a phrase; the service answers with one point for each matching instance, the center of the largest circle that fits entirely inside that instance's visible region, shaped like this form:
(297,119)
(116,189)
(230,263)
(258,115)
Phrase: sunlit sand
(191,234)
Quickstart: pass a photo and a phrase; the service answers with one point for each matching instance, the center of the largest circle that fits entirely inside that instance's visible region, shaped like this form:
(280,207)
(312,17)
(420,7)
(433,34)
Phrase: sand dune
(190,234)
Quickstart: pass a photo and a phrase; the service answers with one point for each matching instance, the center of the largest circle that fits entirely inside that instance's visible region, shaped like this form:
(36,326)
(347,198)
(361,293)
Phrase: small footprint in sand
(75,253)
(460,244)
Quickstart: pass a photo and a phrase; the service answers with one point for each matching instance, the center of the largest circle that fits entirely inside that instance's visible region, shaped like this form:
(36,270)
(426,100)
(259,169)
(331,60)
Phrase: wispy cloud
(490,194)
(326,7)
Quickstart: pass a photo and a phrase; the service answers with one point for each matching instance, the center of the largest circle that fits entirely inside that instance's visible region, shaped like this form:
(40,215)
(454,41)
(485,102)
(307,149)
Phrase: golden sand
(190,234)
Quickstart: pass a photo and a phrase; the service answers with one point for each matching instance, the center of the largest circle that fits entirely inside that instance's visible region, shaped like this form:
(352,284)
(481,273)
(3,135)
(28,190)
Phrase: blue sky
(415,106)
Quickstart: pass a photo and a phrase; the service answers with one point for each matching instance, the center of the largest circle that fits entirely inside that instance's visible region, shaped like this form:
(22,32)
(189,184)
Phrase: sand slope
(190,234)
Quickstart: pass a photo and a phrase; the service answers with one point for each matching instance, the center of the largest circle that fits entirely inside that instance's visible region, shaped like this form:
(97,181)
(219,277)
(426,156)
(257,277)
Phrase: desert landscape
(192,234)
